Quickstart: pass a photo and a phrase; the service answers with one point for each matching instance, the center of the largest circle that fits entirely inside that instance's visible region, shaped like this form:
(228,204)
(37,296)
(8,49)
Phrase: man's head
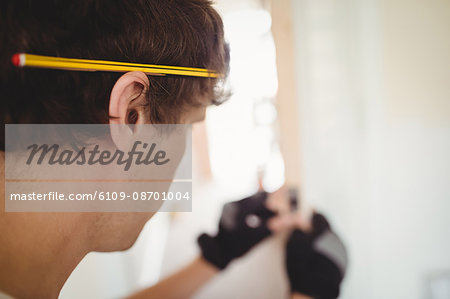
(180,33)
(177,33)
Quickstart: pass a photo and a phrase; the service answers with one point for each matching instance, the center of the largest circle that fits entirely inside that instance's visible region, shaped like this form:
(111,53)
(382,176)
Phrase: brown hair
(175,32)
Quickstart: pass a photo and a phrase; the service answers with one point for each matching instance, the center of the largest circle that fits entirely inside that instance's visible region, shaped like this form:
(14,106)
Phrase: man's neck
(35,271)
(36,253)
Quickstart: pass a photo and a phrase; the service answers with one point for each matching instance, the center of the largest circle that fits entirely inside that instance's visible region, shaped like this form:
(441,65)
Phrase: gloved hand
(316,260)
(242,225)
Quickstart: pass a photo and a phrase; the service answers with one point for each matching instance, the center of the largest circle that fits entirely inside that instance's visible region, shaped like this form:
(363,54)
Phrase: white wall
(374,93)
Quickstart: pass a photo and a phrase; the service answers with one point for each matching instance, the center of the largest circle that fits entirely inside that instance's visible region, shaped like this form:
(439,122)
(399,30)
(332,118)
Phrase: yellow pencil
(39,61)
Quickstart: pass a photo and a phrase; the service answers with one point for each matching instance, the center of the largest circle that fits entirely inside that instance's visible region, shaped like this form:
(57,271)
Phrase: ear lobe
(128,99)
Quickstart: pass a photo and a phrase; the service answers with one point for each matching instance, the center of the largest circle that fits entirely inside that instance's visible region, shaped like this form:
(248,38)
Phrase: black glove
(316,261)
(242,225)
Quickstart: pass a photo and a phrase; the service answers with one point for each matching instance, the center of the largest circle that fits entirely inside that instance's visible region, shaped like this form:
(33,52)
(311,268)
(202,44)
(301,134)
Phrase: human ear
(127,106)
(128,102)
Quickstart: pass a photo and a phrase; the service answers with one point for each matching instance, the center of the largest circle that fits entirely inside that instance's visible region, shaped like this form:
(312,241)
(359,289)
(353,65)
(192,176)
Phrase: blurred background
(347,100)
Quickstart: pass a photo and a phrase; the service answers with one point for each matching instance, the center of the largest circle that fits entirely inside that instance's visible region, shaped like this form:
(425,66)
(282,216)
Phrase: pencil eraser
(16,59)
